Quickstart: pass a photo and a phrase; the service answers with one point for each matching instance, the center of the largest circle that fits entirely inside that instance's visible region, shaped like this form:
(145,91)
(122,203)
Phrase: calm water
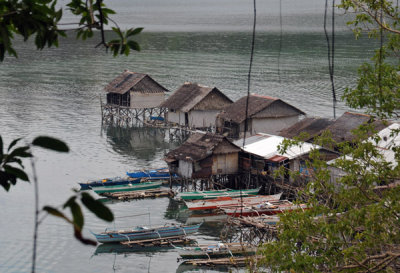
(56,92)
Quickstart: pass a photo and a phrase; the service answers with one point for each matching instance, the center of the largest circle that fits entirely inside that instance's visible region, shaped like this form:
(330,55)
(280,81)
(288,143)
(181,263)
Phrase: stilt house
(204,155)
(195,106)
(385,141)
(342,128)
(261,154)
(135,90)
(265,114)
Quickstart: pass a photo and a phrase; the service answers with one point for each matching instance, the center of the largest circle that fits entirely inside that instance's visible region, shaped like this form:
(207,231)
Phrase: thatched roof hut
(204,155)
(265,114)
(310,127)
(135,90)
(342,128)
(195,105)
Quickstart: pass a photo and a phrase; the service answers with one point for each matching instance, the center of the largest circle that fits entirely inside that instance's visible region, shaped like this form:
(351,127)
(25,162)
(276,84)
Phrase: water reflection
(143,143)
(177,210)
(213,221)
(193,268)
(125,249)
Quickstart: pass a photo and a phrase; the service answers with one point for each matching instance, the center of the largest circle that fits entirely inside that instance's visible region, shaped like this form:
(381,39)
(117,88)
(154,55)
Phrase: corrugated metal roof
(136,82)
(388,137)
(384,145)
(266,146)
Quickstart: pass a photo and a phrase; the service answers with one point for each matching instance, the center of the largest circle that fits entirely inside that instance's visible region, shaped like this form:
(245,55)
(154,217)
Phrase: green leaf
(132,32)
(1,149)
(108,11)
(17,172)
(12,144)
(98,208)
(6,180)
(51,144)
(134,45)
(20,151)
(119,32)
(77,215)
(5,185)
(69,201)
(78,235)
(56,213)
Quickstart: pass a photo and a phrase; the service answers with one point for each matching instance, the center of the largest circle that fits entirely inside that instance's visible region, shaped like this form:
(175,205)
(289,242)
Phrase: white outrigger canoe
(227,201)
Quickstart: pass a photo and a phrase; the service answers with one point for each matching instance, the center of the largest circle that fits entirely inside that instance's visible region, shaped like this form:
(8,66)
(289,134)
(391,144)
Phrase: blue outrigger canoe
(109,182)
(153,174)
(128,187)
(144,233)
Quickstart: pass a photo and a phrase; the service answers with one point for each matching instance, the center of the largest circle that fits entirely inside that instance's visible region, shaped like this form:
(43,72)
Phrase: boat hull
(151,174)
(230,201)
(145,234)
(129,187)
(199,195)
(115,181)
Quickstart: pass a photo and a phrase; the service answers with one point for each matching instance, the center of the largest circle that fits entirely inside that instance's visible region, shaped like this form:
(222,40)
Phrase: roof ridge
(264,96)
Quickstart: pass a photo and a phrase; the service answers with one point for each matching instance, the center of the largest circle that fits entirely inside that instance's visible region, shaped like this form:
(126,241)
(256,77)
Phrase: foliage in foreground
(354,221)
(41,19)
(12,170)
(352,226)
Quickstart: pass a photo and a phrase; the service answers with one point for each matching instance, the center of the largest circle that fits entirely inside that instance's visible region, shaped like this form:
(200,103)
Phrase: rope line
(331,51)
(280,41)
(249,74)
(380,51)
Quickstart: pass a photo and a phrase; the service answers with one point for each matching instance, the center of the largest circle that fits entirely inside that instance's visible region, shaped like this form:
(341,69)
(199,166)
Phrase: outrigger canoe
(128,187)
(219,250)
(197,195)
(114,181)
(153,174)
(227,201)
(145,233)
(267,208)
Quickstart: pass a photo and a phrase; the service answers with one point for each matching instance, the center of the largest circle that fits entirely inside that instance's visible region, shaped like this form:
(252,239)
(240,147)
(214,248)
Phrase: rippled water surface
(57,92)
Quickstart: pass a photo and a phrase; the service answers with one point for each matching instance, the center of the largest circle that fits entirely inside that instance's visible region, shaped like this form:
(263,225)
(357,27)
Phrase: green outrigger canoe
(128,187)
(197,195)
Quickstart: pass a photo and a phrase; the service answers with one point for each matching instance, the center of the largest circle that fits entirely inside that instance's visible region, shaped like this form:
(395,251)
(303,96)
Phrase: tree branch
(375,17)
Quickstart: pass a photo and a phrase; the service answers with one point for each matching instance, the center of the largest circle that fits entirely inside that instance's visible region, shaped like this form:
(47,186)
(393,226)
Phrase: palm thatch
(134,82)
(190,95)
(258,107)
(200,146)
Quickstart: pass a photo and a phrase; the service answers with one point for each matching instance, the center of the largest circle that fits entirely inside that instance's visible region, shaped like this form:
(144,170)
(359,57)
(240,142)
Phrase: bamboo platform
(232,261)
(140,194)
(167,241)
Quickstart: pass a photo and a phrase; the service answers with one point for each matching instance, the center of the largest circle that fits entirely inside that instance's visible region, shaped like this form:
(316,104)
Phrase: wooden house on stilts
(132,96)
(195,106)
(204,155)
(340,130)
(265,114)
